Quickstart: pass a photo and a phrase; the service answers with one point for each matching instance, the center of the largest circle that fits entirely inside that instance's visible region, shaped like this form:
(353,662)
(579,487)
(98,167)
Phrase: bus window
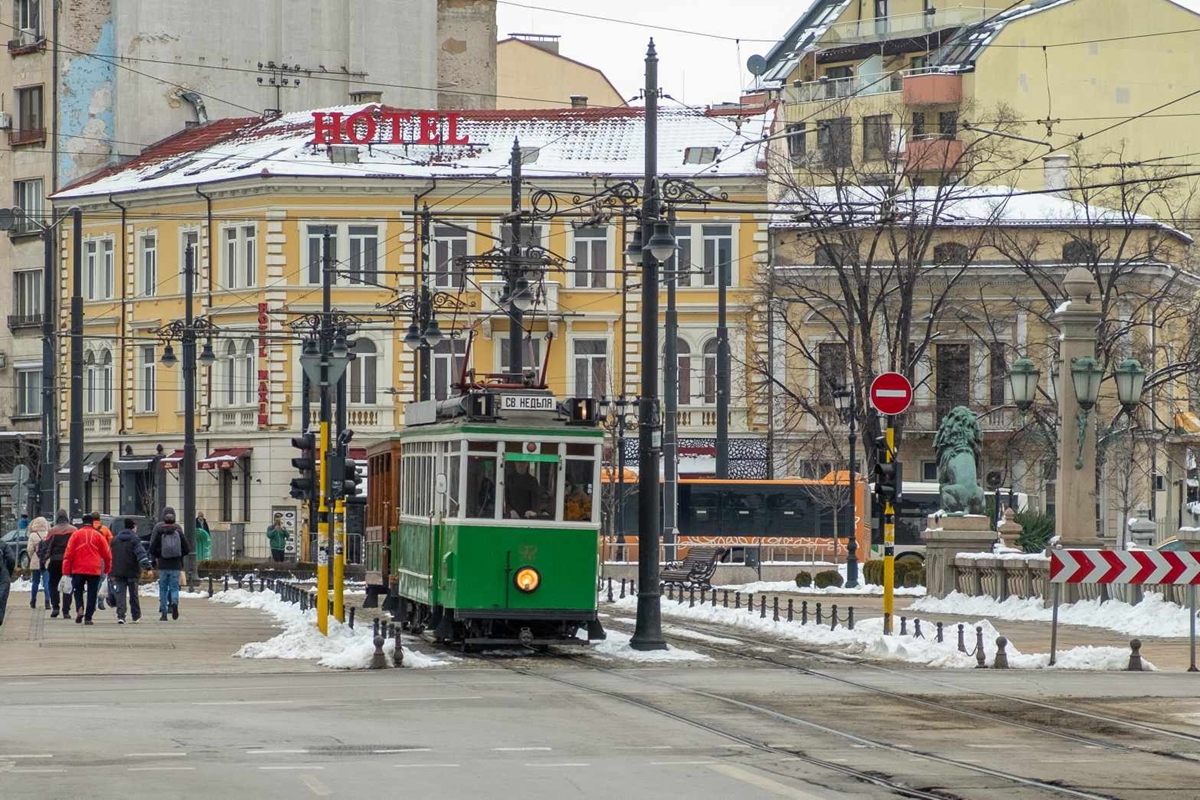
(791,511)
(743,511)
(700,512)
(481,487)
(579,492)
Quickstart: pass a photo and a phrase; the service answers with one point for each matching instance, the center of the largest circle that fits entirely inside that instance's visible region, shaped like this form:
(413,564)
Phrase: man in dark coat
(7,565)
(129,558)
(168,546)
(56,546)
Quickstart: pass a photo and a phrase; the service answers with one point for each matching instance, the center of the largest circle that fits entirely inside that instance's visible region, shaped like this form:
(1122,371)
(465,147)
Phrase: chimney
(1056,174)
(366,96)
(579,101)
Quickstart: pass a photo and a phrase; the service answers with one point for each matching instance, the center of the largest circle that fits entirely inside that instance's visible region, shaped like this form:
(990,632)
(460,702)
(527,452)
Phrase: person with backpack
(129,558)
(39,529)
(56,547)
(168,547)
(88,557)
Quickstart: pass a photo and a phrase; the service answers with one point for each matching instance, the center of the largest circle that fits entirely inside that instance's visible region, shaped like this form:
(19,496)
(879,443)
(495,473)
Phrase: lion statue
(958,443)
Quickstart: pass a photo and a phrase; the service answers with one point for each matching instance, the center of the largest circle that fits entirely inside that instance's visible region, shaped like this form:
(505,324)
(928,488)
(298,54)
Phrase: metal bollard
(762,606)
(775,610)
(737,600)
(833,619)
(789,609)
(622,587)
(904,626)
(352,617)
(962,642)
(980,658)
(939,633)
(1001,661)
(803,612)
(398,658)
(375,627)
(917,628)
(632,586)
(850,618)
(750,603)
(1135,656)
(887,624)
(724,598)
(610,594)
(378,660)
(819,614)
(239,583)
(227,583)
(692,597)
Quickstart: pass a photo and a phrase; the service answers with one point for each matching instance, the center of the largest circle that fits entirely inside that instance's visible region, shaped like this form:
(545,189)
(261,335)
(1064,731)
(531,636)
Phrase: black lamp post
(424,333)
(846,406)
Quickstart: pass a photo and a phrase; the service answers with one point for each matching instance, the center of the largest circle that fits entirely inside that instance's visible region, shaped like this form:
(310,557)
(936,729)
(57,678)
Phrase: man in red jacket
(88,557)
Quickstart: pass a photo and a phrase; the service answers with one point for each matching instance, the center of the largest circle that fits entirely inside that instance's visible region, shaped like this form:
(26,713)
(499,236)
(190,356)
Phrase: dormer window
(700,155)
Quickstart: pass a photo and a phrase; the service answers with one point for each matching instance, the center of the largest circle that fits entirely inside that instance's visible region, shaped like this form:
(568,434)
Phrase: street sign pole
(889,538)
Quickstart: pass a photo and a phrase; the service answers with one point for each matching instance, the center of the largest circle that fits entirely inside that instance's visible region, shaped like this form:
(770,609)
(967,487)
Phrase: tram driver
(523,495)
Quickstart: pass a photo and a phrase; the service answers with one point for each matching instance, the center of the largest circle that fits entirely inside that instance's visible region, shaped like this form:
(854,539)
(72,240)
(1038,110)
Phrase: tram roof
(526,427)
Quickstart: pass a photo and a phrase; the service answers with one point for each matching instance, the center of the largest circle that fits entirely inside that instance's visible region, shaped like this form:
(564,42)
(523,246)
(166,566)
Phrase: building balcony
(546,296)
(99,424)
(371,418)
(933,153)
(234,419)
(932,88)
(924,419)
(835,88)
(901,26)
(19,321)
(27,136)
(703,418)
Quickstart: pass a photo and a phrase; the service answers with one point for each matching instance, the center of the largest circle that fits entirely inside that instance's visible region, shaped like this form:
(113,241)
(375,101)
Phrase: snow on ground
(149,589)
(617,646)
(343,648)
(791,587)
(683,633)
(867,641)
(1151,617)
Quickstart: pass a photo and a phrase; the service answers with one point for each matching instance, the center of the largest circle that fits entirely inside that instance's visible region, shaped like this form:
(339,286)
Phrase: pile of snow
(790,586)
(868,641)
(1154,616)
(1002,553)
(343,648)
(617,646)
(149,589)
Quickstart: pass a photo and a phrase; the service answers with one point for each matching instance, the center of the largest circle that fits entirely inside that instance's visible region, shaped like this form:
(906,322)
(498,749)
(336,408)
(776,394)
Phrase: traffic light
(351,479)
(888,474)
(304,486)
(343,476)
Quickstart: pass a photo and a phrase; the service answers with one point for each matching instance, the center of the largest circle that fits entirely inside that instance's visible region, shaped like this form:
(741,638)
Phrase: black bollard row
(737,600)
(750,603)
(714,598)
(789,610)
(962,641)
(939,633)
(819,614)
(610,594)
(833,619)
(762,607)
(1135,656)
(632,586)
(724,598)
(227,583)
(850,618)
(803,612)
(375,627)
(775,610)
(917,628)
(398,658)
(980,657)
(210,589)
(1001,660)
(622,587)
(904,626)
(351,617)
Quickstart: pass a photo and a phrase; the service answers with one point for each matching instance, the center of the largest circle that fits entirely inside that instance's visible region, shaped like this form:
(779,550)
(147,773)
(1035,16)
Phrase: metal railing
(231,419)
(835,88)
(31,320)
(900,25)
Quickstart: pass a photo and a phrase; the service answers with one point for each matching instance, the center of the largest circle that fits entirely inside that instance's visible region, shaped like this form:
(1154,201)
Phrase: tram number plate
(518,402)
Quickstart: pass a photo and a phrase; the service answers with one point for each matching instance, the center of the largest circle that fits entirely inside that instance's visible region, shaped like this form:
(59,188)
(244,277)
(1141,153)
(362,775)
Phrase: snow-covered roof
(801,38)
(559,142)
(965,206)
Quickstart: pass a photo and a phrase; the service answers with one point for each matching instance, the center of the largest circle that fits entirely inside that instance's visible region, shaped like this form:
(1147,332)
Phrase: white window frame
(98,382)
(587,276)
(239,256)
(98,258)
(364,365)
(29,195)
(29,397)
(27,300)
(706,237)
(147,385)
(249,370)
(184,235)
(590,390)
(450,363)
(355,233)
(500,347)
(452,242)
(315,231)
(148,264)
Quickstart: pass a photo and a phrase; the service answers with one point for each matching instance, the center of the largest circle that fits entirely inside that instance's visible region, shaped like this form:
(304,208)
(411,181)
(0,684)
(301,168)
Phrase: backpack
(43,551)
(170,544)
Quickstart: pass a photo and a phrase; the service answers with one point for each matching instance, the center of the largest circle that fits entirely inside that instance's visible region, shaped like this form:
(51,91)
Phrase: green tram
(497,536)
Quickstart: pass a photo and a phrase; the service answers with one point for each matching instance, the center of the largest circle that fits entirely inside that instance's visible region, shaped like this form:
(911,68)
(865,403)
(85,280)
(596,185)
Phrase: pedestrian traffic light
(303,486)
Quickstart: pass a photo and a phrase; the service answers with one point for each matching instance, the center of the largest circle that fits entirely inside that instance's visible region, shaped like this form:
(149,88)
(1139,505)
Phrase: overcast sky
(696,69)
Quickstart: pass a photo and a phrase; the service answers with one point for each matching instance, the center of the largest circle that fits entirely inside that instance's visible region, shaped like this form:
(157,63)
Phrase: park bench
(696,570)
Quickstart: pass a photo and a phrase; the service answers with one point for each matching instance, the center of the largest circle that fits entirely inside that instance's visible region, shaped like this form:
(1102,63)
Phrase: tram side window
(530,481)
(453,471)
(580,492)
(481,486)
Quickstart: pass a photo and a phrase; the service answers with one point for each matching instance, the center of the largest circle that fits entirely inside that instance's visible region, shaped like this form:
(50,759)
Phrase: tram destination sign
(524,402)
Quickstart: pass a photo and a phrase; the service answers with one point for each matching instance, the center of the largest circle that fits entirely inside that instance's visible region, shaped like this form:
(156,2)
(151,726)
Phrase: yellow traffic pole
(339,559)
(322,534)
(889,540)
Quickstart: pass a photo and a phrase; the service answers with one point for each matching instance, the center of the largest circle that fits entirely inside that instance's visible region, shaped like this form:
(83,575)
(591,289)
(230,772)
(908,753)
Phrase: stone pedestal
(1191,536)
(1010,531)
(945,538)
(1142,529)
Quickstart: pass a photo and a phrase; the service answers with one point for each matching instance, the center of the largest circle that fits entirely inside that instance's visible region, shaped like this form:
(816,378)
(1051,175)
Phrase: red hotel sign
(361,127)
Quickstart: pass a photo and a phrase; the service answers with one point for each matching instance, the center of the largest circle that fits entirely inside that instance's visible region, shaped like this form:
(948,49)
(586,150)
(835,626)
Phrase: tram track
(910,675)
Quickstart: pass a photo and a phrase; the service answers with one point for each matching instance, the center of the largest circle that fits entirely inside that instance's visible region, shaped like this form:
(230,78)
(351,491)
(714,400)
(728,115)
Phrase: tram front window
(577,503)
(529,489)
(481,486)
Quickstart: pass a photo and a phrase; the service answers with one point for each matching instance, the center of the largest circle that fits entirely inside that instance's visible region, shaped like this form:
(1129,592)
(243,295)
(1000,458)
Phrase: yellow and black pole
(323,532)
(339,557)
(889,531)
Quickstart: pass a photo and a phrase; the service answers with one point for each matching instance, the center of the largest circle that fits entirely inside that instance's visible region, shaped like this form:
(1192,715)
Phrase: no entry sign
(891,393)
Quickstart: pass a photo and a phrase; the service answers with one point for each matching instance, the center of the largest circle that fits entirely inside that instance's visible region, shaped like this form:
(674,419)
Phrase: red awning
(223,457)
(172,461)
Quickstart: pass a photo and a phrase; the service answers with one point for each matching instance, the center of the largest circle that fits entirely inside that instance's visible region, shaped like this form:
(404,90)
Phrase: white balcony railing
(99,425)
(367,417)
(545,296)
(695,418)
(235,419)
(901,25)
(834,88)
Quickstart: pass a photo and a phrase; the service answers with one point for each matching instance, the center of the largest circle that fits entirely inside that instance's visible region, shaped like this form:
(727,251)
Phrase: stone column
(1075,493)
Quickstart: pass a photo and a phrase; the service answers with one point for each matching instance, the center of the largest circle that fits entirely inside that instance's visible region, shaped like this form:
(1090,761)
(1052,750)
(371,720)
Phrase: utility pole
(76,428)
(48,474)
(324,529)
(516,329)
(722,369)
(339,507)
(304,548)
(187,466)
(671,403)
(425,352)
(647,633)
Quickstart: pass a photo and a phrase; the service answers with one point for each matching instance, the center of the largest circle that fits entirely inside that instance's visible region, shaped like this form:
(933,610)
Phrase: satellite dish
(756,65)
(7,219)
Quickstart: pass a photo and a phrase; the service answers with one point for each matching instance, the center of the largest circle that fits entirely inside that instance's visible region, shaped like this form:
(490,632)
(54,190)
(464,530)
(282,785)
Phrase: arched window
(1079,251)
(229,375)
(249,373)
(89,382)
(710,372)
(951,253)
(106,382)
(683,358)
(97,382)
(362,373)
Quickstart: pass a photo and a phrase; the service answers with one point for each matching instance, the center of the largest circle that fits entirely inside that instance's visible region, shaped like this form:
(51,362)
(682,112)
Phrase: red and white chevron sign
(1124,566)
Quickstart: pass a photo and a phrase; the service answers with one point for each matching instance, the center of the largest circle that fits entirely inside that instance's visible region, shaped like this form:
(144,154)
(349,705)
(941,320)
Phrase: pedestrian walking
(39,530)
(129,558)
(93,519)
(277,537)
(57,540)
(203,538)
(168,546)
(7,565)
(87,558)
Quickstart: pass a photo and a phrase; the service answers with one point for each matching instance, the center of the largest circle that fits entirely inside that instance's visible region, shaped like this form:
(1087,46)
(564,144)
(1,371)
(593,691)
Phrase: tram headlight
(527,579)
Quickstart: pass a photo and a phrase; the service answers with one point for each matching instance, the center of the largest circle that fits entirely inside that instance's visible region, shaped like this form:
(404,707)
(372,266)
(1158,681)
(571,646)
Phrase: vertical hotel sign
(264,406)
(381,126)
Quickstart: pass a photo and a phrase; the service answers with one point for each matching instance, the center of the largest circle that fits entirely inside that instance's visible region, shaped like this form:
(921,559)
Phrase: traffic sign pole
(889,539)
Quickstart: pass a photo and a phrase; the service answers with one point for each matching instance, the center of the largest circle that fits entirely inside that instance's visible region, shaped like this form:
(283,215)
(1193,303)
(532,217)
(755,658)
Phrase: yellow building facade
(253,200)
(532,73)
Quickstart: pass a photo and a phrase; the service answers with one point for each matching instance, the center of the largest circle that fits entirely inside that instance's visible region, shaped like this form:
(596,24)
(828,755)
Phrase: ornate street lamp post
(846,406)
